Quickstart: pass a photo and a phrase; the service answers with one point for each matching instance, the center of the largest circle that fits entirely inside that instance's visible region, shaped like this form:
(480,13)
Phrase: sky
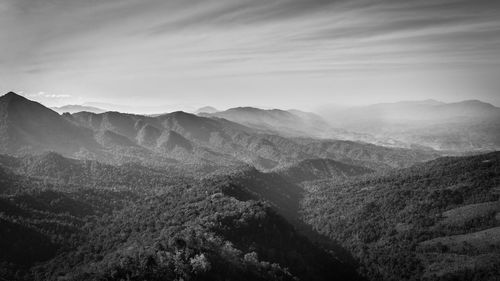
(162,55)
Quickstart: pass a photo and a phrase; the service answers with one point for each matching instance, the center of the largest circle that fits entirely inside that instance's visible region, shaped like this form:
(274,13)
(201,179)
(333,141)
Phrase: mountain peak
(180,115)
(476,102)
(10,96)
(245,108)
(18,104)
(254,110)
(206,109)
(74,108)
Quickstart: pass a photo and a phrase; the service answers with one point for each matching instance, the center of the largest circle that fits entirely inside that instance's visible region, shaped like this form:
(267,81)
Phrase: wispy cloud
(48,95)
(119,48)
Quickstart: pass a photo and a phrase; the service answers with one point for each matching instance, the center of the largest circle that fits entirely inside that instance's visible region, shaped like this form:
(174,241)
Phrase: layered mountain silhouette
(73,108)
(246,194)
(287,123)
(183,138)
(294,123)
(206,109)
(462,126)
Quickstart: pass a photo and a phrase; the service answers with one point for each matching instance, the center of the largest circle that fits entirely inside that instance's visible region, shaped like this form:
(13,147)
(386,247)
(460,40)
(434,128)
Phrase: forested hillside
(54,169)
(315,169)
(434,221)
(176,196)
(181,229)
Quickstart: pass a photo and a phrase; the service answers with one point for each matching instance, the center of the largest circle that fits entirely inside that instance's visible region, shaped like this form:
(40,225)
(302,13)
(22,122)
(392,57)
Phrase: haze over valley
(65,176)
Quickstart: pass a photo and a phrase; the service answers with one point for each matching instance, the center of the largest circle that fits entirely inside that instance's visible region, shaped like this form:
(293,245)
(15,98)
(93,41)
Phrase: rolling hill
(433,221)
(71,174)
(197,230)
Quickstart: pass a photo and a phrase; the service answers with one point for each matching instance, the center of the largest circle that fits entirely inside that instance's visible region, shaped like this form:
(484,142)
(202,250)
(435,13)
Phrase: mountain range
(469,125)
(178,138)
(77,108)
(287,123)
(454,128)
(244,194)
(206,109)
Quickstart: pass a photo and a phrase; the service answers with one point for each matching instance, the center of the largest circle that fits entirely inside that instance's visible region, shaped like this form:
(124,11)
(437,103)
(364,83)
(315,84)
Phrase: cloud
(224,13)
(156,34)
(47,95)
(119,48)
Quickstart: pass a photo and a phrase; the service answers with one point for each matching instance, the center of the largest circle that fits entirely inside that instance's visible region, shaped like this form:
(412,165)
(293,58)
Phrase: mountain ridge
(73,108)
(187,139)
(470,125)
(29,125)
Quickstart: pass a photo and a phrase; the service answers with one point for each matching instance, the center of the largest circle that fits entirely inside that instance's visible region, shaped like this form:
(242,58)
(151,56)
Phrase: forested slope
(189,230)
(433,221)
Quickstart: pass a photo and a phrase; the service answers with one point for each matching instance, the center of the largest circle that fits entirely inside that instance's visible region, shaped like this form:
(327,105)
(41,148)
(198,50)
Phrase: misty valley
(250,194)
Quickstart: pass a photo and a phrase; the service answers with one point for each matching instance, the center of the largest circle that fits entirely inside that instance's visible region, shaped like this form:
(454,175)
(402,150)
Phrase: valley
(179,196)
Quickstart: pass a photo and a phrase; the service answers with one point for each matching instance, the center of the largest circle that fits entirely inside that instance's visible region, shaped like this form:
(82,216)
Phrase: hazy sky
(270,53)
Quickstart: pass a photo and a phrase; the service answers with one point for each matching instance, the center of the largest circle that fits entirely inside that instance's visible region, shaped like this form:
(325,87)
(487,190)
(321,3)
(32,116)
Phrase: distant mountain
(179,138)
(133,108)
(315,169)
(294,123)
(190,138)
(433,111)
(287,123)
(77,108)
(463,126)
(206,109)
(364,154)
